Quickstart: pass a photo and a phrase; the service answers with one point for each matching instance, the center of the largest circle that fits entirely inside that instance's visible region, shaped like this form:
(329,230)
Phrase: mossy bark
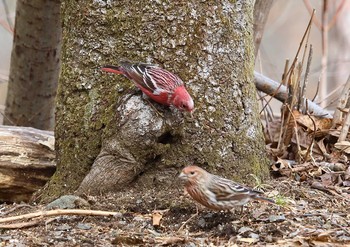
(209,44)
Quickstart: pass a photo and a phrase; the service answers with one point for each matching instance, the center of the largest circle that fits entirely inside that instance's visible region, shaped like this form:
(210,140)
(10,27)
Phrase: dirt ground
(309,217)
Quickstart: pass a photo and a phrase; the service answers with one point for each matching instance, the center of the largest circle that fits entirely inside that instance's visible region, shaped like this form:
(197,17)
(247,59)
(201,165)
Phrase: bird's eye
(192,173)
(183,106)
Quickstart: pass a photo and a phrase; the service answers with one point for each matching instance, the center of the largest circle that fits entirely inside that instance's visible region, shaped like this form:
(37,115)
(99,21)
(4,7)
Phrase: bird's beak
(182,176)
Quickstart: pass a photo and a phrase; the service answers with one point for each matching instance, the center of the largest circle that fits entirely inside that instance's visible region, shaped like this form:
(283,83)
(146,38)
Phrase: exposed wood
(27,161)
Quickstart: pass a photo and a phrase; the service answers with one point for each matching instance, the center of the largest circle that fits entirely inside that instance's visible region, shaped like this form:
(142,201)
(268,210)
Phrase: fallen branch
(24,224)
(279,92)
(58,212)
(27,161)
(300,168)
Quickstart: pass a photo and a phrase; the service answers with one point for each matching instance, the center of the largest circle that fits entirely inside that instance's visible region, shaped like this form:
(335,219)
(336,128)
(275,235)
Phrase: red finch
(216,192)
(157,83)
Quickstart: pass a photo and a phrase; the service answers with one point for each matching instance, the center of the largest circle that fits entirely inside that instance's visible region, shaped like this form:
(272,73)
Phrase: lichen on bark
(207,43)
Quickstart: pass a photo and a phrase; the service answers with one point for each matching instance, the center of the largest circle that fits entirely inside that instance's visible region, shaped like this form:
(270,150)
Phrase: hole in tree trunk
(167,138)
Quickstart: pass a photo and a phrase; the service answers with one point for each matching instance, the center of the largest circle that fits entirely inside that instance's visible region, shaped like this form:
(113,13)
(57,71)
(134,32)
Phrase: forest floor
(310,217)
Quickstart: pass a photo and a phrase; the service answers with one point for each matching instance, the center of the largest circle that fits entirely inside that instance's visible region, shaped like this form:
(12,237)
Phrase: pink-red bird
(216,192)
(157,83)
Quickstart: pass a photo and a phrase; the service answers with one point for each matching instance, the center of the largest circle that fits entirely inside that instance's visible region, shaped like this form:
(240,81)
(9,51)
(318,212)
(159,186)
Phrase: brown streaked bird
(216,192)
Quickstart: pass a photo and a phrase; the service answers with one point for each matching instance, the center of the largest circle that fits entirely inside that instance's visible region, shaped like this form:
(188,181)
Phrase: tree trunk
(261,13)
(107,133)
(34,64)
(27,161)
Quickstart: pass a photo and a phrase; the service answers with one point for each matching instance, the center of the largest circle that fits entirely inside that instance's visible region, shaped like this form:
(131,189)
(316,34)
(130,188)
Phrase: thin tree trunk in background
(339,57)
(261,13)
(34,64)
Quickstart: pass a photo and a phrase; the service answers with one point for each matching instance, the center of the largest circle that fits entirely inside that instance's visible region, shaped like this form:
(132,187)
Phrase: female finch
(157,83)
(216,192)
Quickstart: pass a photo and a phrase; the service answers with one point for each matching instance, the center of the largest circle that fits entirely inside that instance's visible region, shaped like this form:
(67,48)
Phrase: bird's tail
(113,69)
(264,199)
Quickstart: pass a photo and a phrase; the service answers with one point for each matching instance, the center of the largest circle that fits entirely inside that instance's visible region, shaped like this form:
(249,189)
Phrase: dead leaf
(282,164)
(156,217)
(308,122)
(327,179)
(172,240)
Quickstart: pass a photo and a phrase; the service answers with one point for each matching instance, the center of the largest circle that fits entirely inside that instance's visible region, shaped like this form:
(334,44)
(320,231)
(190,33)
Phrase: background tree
(108,134)
(34,64)
(261,13)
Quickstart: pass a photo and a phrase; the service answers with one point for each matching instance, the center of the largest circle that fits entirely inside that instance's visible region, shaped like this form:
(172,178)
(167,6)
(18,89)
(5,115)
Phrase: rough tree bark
(109,135)
(34,64)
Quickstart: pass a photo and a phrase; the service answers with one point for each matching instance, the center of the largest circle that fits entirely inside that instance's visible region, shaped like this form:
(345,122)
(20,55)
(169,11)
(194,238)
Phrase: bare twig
(303,88)
(280,137)
(285,71)
(341,103)
(313,136)
(334,18)
(25,224)
(58,212)
(284,76)
(189,219)
(311,9)
(308,29)
(345,129)
(333,96)
(17,207)
(336,15)
(324,60)
(317,88)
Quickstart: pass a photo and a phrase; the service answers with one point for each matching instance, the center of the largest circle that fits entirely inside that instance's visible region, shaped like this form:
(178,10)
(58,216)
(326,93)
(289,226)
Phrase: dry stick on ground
(17,207)
(189,219)
(58,212)
(330,189)
(25,224)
